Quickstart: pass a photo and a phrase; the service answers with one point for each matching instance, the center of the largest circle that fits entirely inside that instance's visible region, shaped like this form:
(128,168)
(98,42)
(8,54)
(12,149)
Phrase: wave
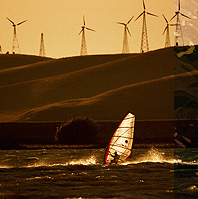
(83,161)
(158,156)
(153,155)
(192,188)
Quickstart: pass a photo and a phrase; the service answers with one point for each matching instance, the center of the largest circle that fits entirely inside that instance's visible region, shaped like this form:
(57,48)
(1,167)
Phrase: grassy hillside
(153,99)
(147,100)
(87,82)
(14,60)
(102,87)
(52,67)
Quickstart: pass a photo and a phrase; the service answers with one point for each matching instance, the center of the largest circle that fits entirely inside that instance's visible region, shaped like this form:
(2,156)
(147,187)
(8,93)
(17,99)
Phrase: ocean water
(81,173)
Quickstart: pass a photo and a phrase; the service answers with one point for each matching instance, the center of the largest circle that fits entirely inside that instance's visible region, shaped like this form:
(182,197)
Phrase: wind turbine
(166,29)
(15,43)
(144,40)
(83,50)
(42,47)
(125,48)
(178,32)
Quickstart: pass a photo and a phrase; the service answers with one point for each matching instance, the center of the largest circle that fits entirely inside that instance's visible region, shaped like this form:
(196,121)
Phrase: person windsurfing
(115,158)
(120,146)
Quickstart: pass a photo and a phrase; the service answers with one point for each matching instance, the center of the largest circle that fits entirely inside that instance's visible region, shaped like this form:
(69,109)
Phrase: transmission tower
(125,48)
(15,43)
(178,32)
(83,50)
(167,30)
(144,40)
(42,48)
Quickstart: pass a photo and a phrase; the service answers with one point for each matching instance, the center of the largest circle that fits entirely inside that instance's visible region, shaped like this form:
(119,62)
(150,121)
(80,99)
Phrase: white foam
(6,167)
(84,161)
(153,155)
(192,188)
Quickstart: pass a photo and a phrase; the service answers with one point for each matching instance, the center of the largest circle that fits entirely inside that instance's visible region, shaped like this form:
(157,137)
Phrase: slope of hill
(14,60)
(148,100)
(87,82)
(99,86)
(53,67)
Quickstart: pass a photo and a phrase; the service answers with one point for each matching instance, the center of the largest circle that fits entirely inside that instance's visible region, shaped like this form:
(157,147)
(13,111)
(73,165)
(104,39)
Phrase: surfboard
(122,140)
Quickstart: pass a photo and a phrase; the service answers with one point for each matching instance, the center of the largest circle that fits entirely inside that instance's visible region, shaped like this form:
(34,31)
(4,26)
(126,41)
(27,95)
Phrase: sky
(60,21)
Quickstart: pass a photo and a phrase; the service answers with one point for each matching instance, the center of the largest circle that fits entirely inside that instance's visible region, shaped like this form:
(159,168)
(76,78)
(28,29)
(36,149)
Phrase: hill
(15,60)
(99,86)
(86,82)
(159,103)
(52,67)
(113,104)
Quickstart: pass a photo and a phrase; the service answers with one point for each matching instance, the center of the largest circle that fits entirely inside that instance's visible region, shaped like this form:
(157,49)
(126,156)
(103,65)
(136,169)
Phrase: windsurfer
(115,157)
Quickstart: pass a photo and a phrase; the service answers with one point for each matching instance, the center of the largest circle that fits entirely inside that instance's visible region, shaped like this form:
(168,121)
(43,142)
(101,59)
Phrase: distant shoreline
(40,135)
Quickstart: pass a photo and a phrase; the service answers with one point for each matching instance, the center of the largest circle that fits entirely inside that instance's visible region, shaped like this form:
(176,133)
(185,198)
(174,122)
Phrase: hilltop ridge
(15,60)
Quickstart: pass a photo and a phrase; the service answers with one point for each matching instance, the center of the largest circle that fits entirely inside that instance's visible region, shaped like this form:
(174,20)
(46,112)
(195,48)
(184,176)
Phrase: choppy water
(80,173)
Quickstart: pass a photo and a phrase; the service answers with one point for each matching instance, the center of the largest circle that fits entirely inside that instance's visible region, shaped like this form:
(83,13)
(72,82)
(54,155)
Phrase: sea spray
(153,155)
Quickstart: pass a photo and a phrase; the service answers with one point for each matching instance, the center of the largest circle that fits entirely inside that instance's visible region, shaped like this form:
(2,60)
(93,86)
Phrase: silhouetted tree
(77,131)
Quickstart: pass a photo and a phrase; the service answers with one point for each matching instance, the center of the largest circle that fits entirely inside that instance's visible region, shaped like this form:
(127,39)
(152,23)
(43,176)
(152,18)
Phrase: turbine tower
(42,48)
(144,40)
(167,30)
(83,50)
(178,32)
(15,43)
(125,48)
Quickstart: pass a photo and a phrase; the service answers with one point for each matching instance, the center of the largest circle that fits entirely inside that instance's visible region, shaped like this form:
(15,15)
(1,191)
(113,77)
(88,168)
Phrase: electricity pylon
(15,43)
(42,48)
(125,48)
(167,30)
(178,32)
(83,50)
(144,40)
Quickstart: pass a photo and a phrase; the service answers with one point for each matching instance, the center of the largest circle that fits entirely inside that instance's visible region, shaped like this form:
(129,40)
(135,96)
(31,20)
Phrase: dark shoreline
(38,135)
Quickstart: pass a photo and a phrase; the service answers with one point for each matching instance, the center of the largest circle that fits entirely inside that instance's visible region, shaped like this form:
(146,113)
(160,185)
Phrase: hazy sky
(61,21)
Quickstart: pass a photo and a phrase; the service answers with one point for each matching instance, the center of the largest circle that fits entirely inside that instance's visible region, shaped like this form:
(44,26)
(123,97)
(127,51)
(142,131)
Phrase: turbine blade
(165,30)
(144,5)
(80,31)
(21,22)
(173,17)
(10,21)
(179,5)
(84,20)
(185,16)
(130,20)
(90,29)
(139,16)
(165,19)
(128,31)
(151,14)
(173,24)
(121,23)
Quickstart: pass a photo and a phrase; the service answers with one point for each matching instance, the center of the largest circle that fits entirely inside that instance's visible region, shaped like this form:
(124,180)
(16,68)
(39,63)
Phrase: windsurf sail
(122,140)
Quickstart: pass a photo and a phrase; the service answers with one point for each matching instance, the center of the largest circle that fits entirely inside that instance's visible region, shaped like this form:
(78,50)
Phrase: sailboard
(122,140)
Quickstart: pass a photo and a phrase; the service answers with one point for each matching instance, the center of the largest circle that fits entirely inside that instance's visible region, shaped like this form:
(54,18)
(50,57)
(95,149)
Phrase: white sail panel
(122,140)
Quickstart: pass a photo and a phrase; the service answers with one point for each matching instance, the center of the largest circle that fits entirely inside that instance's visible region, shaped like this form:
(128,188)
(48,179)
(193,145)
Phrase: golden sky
(61,21)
